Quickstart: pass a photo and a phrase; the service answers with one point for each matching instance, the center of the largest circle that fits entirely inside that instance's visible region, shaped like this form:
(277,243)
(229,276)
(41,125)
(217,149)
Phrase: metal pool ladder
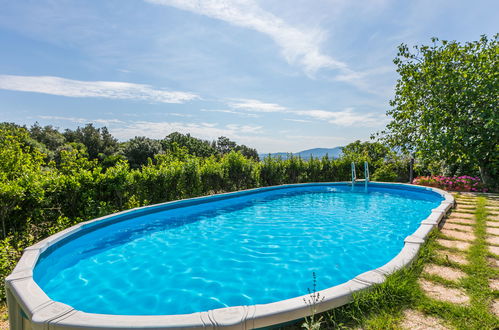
(354,175)
(366,175)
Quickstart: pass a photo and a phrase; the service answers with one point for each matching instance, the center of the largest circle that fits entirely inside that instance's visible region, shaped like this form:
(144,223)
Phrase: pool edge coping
(26,297)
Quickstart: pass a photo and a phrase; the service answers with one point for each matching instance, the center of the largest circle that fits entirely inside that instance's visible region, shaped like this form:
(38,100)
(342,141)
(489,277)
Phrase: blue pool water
(251,249)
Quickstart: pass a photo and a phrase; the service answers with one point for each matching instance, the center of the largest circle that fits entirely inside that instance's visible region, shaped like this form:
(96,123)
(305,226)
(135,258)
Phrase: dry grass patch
(444,272)
(442,293)
(459,245)
(415,320)
(464,236)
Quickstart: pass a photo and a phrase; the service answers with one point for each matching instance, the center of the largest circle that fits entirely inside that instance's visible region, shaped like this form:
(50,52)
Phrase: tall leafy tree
(446,103)
(225,145)
(372,152)
(248,152)
(195,146)
(48,135)
(140,149)
(21,178)
(99,142)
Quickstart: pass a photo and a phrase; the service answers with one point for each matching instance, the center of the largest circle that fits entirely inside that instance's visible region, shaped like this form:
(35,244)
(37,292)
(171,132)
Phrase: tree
(373,152)
(446,105)
(248,152)
(48,135)
(225,145)
(139,149)
(197,147)
(99,142)
(21,178)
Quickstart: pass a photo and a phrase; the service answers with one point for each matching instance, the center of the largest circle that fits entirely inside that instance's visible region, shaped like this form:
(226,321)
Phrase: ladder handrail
(366,174)
(354,175)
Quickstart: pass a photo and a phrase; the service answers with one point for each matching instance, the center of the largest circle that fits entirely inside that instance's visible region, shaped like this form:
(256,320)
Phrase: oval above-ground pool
(238,260)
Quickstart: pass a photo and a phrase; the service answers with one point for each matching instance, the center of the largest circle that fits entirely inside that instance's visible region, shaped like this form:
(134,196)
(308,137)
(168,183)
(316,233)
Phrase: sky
(275,75)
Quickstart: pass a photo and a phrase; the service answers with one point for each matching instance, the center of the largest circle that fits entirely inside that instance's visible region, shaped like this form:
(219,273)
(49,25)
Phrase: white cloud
(256,106)
(252,115)
(100,89)
(209,131)
(298,120)
(371,81)
(297,46)
(347,117)
(244,128)
(176,114)
(83,120)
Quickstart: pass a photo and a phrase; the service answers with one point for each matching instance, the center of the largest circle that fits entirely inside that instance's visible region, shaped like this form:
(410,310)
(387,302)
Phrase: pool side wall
(31,308)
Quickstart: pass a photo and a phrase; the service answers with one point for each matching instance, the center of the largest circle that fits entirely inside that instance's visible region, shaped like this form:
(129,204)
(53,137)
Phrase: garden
(445,120)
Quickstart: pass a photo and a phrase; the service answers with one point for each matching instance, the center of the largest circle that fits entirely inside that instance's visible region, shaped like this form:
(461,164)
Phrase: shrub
(385,173)
(454,183)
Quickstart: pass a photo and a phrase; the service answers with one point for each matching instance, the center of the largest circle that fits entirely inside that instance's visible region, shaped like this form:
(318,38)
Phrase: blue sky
(274,75)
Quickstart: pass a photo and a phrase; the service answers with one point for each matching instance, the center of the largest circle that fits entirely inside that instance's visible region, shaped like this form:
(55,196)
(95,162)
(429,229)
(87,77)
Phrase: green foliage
(271,171)
(49,139)
(237,171)
(224,145)
(372,152)
(247,152)
(446,106)
(98,141)
(9,255)
(194,146)
(21,178)
(139,149)
(385,173)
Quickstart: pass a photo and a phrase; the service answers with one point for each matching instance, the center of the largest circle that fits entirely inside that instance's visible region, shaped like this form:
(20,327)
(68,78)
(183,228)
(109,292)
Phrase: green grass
(382,306)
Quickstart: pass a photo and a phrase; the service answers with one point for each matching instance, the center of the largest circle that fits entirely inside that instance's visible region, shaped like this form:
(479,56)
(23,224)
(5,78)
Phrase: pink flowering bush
(454,183)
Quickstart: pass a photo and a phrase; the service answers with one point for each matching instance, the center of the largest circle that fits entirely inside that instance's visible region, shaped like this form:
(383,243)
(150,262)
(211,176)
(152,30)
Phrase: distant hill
(306,154)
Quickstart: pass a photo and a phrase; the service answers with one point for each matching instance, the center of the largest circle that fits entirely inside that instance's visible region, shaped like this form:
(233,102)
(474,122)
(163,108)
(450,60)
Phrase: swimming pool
(239,259)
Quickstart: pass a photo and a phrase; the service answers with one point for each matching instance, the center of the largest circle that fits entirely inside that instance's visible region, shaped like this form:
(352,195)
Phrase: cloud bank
(347,117)
(297,46)
(99,89)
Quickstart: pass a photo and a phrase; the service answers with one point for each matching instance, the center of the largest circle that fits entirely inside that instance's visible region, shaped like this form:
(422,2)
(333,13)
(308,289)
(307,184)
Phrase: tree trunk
(411,170)
(486,175)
